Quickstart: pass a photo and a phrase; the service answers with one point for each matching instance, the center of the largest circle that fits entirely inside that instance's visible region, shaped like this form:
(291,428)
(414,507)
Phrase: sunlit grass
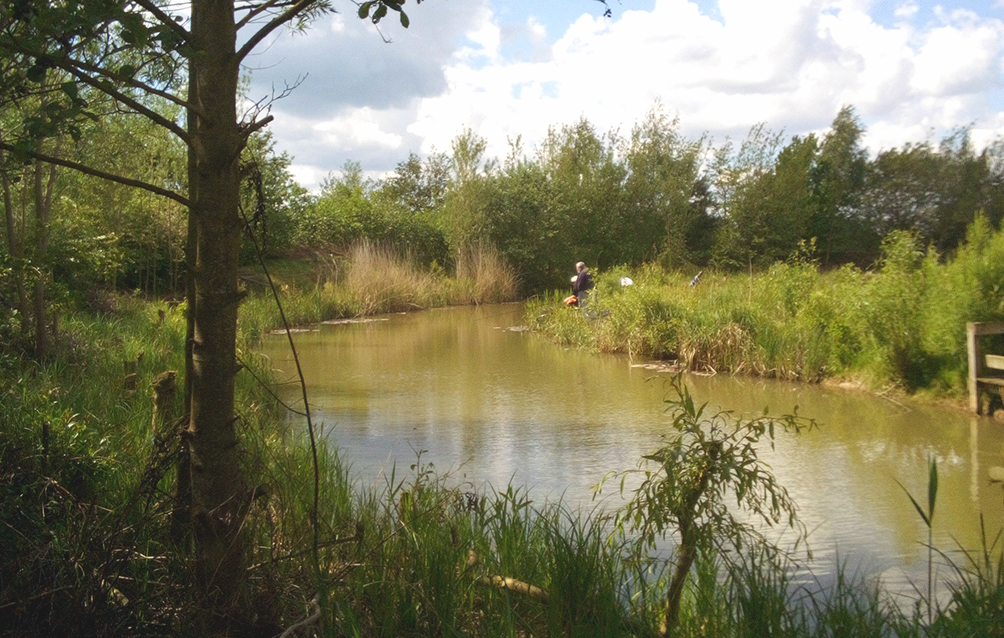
(374,280)
(901,323)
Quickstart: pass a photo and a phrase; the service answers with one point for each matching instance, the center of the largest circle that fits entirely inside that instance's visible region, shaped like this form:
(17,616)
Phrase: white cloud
(906,10)
(959,58)
(792,66)
(357,128)
(790,63)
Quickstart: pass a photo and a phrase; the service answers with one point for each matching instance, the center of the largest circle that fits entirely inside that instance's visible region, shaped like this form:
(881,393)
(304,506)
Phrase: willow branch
(77,166)
(272,25)
(84,72)
(165,19)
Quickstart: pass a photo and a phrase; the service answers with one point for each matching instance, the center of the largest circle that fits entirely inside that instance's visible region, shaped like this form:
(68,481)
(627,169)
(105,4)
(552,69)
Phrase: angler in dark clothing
(583,284)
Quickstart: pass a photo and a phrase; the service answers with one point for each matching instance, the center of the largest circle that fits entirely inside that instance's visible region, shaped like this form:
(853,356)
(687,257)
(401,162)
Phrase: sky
(913,71)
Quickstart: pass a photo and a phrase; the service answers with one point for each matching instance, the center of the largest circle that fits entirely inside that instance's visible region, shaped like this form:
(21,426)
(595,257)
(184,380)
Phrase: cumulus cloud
(792,66)
(358,86)
(345,61)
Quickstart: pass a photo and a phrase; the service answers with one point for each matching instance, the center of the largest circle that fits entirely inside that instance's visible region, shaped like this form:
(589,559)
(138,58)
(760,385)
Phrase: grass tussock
(483,278)
(381,281)
(900,324)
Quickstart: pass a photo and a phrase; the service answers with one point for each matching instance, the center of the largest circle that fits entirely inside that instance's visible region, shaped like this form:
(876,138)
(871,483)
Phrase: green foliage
(271,200)
(582,197)
(352,208)
(705,462)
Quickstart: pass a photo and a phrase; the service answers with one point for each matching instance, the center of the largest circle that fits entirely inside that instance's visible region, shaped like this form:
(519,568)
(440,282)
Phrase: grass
(901,324)
(86,547)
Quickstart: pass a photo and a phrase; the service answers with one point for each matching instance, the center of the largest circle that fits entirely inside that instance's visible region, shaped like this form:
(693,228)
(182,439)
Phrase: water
(495,405)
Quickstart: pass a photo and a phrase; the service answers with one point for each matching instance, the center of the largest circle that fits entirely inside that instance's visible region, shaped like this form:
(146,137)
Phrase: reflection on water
(506,405)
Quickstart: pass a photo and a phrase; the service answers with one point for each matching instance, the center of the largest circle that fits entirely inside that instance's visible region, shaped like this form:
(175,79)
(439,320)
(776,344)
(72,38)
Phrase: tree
(29,243)
(131,51)
(902,191)
(663,206)
(838,180)
(687,487)
(419,187)
(742,182)
(969,183)
(271,199)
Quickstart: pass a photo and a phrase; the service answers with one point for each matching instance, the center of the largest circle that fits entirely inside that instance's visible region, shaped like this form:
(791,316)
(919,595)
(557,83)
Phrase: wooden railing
(986,371)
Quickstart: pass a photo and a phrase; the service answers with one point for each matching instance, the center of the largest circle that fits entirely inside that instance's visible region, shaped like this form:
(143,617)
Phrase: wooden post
(164,390)
(973,347)
(131,377)
(983,370)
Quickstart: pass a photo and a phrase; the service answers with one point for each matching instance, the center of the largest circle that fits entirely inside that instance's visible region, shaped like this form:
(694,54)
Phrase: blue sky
(913,71)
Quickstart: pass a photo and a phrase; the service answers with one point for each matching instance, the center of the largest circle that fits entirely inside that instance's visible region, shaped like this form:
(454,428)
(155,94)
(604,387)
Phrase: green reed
(900,323)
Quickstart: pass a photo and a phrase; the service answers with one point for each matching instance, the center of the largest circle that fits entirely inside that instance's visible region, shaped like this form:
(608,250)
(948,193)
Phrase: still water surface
(496,405)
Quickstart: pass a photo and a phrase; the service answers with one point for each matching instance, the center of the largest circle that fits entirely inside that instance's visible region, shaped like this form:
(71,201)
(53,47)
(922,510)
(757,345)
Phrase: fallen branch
(504,582)
(309,620)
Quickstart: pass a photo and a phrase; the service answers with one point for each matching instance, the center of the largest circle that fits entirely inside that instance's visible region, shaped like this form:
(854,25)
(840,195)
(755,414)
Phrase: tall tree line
(608,199)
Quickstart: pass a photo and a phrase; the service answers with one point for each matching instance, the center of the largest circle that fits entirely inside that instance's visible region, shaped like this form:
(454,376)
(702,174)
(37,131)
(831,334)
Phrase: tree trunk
(43,205)
(182,516)
(684,561)
(688,518)
(15,247)
(220,497)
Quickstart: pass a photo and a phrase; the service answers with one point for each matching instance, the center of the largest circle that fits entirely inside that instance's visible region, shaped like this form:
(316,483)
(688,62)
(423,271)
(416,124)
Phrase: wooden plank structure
(986,371)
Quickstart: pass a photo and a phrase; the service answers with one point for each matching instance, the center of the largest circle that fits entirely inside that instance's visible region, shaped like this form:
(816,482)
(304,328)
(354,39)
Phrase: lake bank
(899,327)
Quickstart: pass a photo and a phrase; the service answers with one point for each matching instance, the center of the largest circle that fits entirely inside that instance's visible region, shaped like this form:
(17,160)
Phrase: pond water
(494,405)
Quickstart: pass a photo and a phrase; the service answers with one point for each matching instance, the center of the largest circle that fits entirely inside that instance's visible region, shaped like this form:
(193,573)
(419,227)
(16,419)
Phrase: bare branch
(255,11)
(254,127)
(126,181)
(273,24)
(165,19)
(309,620)
(265,103)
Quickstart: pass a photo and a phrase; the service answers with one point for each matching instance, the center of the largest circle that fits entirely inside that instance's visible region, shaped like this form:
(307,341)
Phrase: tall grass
(900,324)
(371,279)
(483,277)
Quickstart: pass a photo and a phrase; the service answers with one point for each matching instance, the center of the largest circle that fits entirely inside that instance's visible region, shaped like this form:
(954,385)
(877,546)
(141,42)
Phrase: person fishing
(582,284)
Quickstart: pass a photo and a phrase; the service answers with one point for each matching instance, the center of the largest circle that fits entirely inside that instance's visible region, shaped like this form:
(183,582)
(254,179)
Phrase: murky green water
(497,405)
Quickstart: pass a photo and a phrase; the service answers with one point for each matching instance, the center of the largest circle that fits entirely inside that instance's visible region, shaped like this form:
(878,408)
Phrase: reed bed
(901,323)
(372,280)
